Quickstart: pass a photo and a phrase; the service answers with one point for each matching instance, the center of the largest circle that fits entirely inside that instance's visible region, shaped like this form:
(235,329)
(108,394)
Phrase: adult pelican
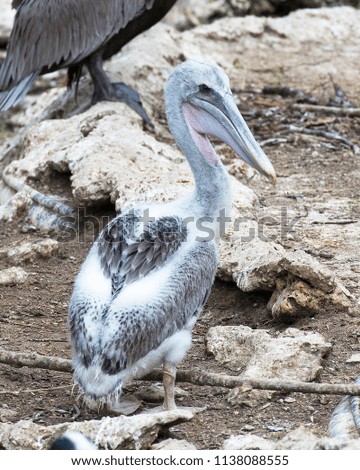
(146,279)
(48,35)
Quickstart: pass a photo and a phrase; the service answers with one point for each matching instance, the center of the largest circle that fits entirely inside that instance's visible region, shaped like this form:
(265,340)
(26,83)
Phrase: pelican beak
(219,116)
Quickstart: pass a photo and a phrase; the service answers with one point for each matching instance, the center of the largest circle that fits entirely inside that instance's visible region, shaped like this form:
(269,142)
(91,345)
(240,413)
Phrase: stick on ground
(327,109)
(326,135)
(195,377)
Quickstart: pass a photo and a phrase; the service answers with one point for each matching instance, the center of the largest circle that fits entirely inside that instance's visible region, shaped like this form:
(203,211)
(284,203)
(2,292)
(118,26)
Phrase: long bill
(218,116)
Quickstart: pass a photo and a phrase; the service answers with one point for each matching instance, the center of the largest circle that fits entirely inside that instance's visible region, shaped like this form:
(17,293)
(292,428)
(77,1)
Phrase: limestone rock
(302,438)
(293,354)
(173,444)
(12,276)
(155,393)
(14,204)
(299,299)
(257,264)
(123,432)
(242,7)
(189,13)
(354,359)
(248,442)
(298,439)
(30,250)
(7,414)
(301,285)
(128,166)
(247,397)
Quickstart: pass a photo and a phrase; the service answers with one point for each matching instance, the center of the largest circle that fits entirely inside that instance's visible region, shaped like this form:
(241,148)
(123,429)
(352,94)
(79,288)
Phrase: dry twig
(195,377)
(33,390)
(35,360)
(325,134)
(327,109)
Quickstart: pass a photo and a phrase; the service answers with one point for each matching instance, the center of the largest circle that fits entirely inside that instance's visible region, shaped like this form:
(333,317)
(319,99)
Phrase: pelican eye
(204,88)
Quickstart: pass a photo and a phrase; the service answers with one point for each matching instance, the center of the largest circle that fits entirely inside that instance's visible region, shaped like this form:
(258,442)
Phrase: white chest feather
(91,281)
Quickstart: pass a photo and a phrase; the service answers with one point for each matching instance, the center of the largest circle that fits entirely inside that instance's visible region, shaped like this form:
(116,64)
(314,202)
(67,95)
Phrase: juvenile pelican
(52,34)
(147,277)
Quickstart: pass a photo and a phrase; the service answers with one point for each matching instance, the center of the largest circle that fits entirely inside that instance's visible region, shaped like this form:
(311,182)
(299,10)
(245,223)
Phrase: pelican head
(203,93)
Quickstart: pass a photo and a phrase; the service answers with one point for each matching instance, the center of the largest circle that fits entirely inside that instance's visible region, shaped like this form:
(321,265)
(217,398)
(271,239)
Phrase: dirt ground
(318,182)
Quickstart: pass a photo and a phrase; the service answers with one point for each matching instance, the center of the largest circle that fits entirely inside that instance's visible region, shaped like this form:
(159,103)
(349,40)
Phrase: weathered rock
(247,397)
(128,166)
(13,205)
(30,251)
(354,359)
(7,414)
(173,444)
(301,285)
(155,393)
(293,354)
(299,298)
(134,432)
(190,13)
(243,7)
(299,439)
(12,276)
(248,442)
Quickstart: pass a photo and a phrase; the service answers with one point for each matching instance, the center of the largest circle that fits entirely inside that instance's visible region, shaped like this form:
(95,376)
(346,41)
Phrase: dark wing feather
(127,255)
(16,3)
(11,98)
(47,33)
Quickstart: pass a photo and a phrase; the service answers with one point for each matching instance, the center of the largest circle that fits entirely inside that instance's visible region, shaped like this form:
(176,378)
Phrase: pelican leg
(169,374)
(104,90)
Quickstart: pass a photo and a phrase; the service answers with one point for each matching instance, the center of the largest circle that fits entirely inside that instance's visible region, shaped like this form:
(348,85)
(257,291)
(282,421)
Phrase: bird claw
(131,97)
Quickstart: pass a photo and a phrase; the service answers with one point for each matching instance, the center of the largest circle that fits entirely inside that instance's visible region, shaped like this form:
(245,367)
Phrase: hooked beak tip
(272,178)
(265,167)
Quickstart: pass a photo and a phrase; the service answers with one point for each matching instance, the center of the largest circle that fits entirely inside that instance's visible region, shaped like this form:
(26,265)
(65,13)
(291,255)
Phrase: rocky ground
(292,260)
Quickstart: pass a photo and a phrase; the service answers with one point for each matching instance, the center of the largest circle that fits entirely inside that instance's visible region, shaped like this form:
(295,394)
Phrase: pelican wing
(130,247)
(130,333)
(47,33)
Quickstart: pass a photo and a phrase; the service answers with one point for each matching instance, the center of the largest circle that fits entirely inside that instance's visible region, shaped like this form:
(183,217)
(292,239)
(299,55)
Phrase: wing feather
(131,334)
(15,3)
(47,33)
(11,98)
(126,257)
